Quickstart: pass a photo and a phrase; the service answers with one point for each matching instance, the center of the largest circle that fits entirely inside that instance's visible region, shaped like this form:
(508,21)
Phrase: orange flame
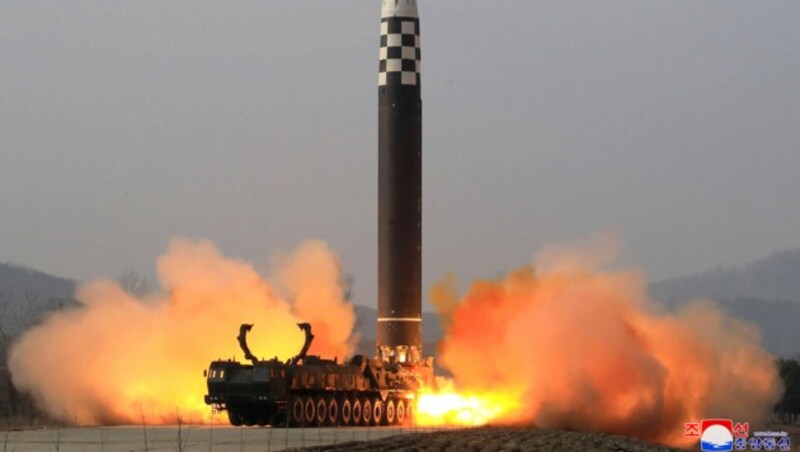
(449,407)
(574,347)
(569,346)
(118,359)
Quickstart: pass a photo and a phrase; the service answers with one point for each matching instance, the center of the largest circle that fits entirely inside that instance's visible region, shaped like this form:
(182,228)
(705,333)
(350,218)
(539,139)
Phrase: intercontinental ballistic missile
(399,335)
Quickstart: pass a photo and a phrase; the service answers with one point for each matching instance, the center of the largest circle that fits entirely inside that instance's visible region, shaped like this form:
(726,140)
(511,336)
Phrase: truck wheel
(410,414)
(357,412)
(296,414)
(347,411)
(377,411)
(401,412)
(309,411)
(366,412)
(390,413)
(333,411)
(235,418)
(322,410)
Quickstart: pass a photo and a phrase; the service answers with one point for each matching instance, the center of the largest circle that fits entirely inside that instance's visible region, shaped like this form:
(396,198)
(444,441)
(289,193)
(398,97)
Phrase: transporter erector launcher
(399,335)
(309,390)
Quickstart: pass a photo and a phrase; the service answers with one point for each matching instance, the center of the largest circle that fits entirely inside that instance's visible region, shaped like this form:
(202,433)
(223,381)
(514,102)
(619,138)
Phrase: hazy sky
(253,124)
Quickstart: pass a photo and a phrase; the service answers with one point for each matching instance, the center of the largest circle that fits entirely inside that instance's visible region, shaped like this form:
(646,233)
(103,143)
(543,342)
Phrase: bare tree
(18,315)
(27,314)
(5,327)
(135,283)
(9,319)
(5,342)
(347,280)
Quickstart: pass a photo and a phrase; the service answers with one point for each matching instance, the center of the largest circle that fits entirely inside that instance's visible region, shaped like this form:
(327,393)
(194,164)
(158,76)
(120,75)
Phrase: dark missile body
(399,334)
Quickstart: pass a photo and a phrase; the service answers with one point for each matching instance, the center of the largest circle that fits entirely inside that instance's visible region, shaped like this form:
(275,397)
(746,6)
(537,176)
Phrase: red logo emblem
(725,423)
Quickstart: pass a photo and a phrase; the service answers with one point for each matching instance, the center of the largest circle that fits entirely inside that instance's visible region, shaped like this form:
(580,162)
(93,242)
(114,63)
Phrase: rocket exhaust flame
(572,346)
(568,346)
(449,407)
(117,359)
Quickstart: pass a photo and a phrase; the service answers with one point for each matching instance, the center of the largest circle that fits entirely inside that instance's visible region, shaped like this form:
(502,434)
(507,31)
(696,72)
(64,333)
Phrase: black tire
(358,412)
(333,411)
(346,414)
(390,415)
(400,410)
(322,410)
(296,411)
(377,411)
(366,412)
(235,418)
(309,411)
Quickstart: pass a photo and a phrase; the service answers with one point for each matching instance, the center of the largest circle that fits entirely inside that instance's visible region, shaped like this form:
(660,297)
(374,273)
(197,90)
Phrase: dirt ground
(189,438)
(221,439)
(518,439)
(501,439)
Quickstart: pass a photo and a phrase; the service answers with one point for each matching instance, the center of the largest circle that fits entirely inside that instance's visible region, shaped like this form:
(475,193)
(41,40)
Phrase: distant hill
(26,294)
(18,281)
(778,321)
(776,277)
(765,292)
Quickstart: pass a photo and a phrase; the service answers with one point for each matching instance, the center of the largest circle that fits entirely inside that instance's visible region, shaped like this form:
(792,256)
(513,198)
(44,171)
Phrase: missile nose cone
(399,8)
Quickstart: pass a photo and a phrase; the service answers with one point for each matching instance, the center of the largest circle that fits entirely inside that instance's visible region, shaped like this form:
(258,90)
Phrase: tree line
(21,312)
(17,409)
(788,409)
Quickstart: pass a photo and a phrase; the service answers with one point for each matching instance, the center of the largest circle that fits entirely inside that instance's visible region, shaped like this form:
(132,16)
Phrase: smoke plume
(119,359)
(574,346)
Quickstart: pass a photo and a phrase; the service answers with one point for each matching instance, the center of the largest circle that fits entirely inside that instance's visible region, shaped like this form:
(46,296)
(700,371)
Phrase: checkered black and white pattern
(400,54)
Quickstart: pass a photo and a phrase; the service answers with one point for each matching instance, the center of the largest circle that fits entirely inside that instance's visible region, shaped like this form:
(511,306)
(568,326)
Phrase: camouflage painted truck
(312,391)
